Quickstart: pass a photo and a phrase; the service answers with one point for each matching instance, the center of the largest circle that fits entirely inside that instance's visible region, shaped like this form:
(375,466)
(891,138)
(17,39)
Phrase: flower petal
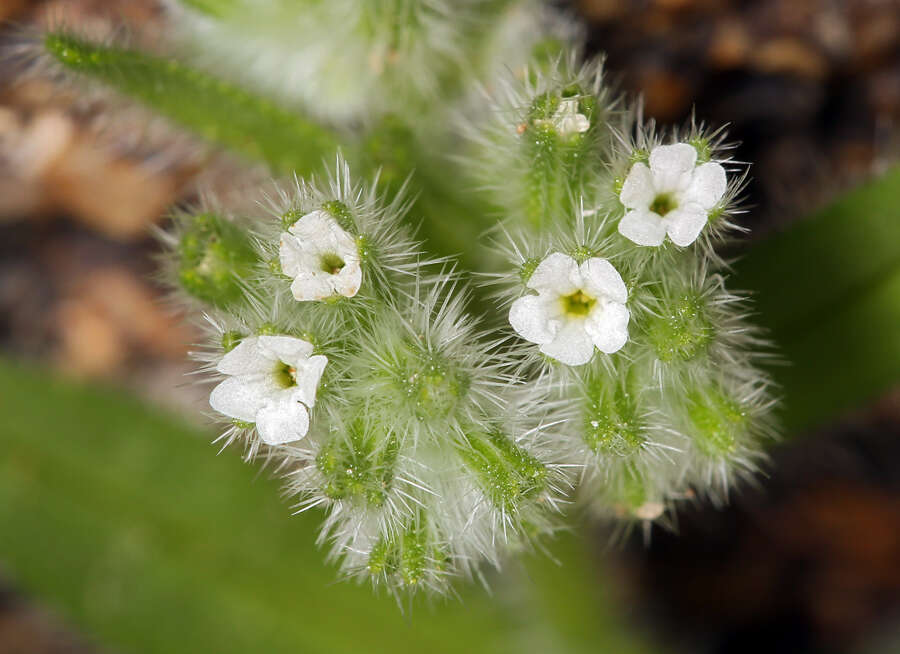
(571,346)
(602,279)
(314,226)
(245,359)
(348,280)
(573,124)
(291,255)
(309,373)
(287,349)
(556,274)
(638,190)
(708,185)
(344,245)
(685,224)
(608,327)
(282,420)
(531,318)
(309,286)
(672,166)
(240,397)
(643,228)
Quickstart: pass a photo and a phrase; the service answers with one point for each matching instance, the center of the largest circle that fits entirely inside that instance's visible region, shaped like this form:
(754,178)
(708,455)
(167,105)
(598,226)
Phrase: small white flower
(568,121)
(272,381)
(575,309)
(321,257)
(673,196)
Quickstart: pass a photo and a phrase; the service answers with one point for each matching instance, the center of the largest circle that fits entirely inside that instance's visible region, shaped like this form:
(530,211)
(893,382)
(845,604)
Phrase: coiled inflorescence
(352,365)
(347,359)
(616,293)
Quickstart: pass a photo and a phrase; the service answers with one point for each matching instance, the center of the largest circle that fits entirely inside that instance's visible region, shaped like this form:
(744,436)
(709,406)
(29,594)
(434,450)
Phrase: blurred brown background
(811,89)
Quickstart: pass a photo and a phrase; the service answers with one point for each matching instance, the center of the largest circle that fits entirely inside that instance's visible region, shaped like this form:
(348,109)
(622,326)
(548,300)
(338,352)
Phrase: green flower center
(331,263)
(578,304)
(285,375)
(663,204)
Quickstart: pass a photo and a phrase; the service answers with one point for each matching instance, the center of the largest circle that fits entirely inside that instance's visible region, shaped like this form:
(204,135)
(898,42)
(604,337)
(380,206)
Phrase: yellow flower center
(663,204)
(331,263)
(578,304)
(285,375)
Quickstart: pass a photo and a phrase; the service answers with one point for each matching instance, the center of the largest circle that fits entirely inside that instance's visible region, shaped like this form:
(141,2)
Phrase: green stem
(221,113)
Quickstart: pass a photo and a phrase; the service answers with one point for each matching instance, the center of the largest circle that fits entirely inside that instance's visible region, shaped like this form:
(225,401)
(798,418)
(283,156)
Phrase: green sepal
(506,473)
(360,466)
(215,258)
(682,331)
(717,422)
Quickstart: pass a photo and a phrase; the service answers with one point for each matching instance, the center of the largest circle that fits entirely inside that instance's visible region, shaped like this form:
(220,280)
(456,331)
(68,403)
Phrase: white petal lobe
(309,373)
(348,281)
(602,279)
(306,288)
(239,398)
(285,348)
(571,346)
(643,228)
(530,317)
(638,190)
(608,327)
(282,421)
(685,224)
(707,186)
(244,359)
(672,166)
(557,273)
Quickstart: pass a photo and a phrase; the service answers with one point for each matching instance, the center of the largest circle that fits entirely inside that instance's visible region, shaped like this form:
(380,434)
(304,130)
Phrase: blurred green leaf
(124,519)
(828,289)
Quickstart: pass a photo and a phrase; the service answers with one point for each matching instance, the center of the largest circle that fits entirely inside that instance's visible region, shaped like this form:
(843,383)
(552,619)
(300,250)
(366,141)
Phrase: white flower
(321,257)
(673,196)
(568,121)
(575,309)
(272,381)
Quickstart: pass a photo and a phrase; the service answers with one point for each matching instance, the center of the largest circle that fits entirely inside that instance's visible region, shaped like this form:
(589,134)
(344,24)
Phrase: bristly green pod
(215,259)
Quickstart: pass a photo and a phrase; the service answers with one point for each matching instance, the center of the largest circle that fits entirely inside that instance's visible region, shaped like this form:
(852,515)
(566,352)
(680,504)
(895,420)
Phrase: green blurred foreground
(125,520)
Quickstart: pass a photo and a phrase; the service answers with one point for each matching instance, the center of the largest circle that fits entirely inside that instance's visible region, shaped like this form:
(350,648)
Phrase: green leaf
(219,112)
(125,520)
(828,289)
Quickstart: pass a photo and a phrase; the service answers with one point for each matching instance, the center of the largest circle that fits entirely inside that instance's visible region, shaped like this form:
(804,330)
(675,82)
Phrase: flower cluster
(649,362)
(355,368)
(619,363)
